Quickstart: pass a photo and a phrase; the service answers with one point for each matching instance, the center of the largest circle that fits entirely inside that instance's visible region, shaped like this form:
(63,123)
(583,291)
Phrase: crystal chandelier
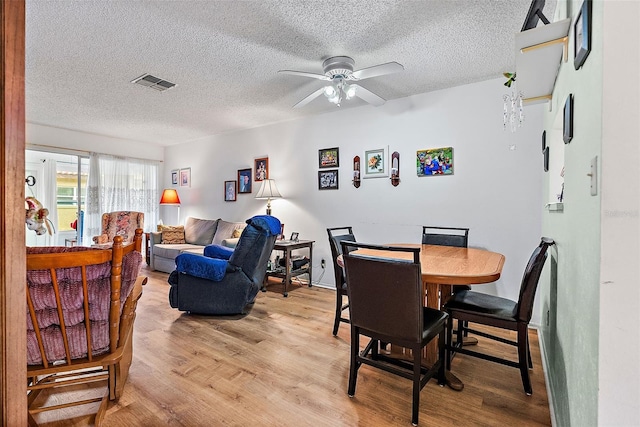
(513,112)
(339,90)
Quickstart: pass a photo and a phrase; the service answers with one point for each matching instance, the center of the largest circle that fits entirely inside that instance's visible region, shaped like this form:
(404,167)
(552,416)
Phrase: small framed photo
(582,35)
(174,176)
(546,159)
(544,140)
(434,161)
(185,177)
(261,169)
(567,122)
(230,191)
(244,181)
(294,237)
(328,180)
(328,158)
(376,163)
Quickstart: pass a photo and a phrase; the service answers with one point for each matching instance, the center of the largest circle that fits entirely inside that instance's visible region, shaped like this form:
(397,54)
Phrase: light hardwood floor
(280,366)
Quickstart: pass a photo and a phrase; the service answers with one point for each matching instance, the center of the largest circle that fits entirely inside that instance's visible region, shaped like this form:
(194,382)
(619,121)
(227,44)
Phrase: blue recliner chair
(225,281)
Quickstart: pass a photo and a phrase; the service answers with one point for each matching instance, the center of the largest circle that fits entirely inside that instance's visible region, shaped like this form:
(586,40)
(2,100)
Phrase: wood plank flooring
(280,366)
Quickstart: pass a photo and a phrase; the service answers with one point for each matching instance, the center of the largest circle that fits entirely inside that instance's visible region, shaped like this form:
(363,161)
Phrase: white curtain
(118,184)
(50,198)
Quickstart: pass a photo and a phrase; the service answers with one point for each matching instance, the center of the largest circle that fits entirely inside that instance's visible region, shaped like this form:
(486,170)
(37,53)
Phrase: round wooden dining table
(441,268)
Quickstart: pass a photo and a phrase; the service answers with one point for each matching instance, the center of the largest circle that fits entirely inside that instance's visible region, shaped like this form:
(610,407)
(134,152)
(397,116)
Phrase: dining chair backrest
(445,236)
(531,278)
(337,235)
(385,294)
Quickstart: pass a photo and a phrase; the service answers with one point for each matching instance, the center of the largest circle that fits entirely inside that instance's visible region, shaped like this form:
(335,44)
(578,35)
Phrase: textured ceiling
(224,57)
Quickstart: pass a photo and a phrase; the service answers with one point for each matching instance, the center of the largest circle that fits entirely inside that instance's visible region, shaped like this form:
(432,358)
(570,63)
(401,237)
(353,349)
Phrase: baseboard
(543,357)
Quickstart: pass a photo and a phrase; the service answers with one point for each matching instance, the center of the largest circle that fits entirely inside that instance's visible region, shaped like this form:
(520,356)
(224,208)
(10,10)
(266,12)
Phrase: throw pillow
(172,234)
(236,233)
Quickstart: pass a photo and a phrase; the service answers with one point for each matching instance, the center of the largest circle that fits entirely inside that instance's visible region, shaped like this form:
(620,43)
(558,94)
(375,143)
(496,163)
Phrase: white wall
(47,136)
(496,191)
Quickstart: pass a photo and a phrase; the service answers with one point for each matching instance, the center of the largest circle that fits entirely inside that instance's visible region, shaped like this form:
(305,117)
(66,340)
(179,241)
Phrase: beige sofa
(197,234)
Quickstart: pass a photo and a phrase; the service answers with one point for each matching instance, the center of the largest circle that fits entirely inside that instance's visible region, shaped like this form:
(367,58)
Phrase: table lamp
(170,197)
(268,191)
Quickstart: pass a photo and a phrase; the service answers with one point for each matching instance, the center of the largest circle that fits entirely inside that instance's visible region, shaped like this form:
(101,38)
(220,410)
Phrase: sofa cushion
(225,230)
(172,234)
(173,250)
(200,231)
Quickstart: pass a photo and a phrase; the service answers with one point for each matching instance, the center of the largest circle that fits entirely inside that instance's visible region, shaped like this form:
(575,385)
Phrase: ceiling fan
(338,70)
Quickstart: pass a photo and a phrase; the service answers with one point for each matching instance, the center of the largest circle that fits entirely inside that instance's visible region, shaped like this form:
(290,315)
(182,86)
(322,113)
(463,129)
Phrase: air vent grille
(153,82)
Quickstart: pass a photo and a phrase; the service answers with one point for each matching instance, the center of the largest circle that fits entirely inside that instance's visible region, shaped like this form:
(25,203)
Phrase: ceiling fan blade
(368,96)
(309,98)
(377,70)
(305,74)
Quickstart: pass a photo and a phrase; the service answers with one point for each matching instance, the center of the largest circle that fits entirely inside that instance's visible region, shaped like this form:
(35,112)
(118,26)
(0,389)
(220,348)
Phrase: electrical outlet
(322,263)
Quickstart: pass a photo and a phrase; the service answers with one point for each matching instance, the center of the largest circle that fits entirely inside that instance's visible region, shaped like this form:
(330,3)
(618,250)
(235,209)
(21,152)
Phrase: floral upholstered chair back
(121,223)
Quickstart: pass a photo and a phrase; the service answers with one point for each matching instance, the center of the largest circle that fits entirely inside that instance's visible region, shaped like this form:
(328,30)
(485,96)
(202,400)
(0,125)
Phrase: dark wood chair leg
(523,360)
(336,321)
(417,363)
(449,343)
(441,358)
(353,369)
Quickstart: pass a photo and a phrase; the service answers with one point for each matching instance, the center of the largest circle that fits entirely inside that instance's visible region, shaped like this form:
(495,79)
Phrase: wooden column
(12,229)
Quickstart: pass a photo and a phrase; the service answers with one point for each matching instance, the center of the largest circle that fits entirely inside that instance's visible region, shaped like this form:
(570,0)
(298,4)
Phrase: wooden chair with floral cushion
(81,305)
(121,223)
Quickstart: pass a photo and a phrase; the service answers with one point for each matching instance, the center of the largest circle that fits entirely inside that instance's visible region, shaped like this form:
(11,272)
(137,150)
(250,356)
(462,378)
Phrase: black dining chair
(386,300)
(476,307)
(336,236)
(448,236)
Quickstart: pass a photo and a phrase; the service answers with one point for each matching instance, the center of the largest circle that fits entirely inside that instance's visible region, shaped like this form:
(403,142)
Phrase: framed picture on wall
(185,177)
(376,163)
(244,180)
(567,120)
(328,158)
(261,169)
(328,180)
(174,176)
(230,191)
(582,35)
(434,161)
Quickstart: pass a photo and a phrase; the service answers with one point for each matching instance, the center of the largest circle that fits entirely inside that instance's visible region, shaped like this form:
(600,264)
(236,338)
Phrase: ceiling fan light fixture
(329,91)
(349,91)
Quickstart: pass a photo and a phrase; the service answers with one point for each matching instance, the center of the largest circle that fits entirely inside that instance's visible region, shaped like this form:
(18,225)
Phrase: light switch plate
(593,173)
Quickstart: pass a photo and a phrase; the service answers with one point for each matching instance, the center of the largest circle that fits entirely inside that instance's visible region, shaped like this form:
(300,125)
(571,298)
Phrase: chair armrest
(200,266)
(129,309)
(103,238)
(218,252)
(155,237)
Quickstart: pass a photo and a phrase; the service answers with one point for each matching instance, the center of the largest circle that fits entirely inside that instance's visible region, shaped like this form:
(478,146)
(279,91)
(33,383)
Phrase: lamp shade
(268,190)
(170,197)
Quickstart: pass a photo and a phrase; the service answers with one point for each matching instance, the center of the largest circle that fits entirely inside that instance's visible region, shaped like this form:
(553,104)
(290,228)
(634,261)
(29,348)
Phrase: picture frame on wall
(244,181)
(174,176)
(328,158)
(544,140)
(328,180)
(230,191)
(185,177)
(376,163)
(582,35)
(546,159)
(434,161)
(261,169)
(567,120)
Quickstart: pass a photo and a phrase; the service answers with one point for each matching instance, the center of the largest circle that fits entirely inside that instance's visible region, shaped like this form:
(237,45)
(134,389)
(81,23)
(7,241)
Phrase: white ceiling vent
(153,82)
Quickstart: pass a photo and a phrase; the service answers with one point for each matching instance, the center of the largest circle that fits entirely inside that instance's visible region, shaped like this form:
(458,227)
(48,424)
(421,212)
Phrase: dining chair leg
(529,353)
(441,357)
(353,369)
(449,343)
(336,321)
(523,358)
(417,363)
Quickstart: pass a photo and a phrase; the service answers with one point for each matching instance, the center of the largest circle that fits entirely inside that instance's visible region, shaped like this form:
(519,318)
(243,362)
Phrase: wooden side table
(288,272)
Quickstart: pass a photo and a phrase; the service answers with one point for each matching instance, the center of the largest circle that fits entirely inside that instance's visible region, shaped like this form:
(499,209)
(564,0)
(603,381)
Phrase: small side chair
(120,223)
(336,236)
(476,307)
(387,305)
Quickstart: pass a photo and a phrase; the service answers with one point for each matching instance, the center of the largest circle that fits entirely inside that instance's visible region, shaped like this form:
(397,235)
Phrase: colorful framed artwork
(174,176)
(567,122)
(230,191)
(244,180)
(376,163)
(328,158)
(328,180)
(261,169)
(185,177)
(582,35)
(434,161)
